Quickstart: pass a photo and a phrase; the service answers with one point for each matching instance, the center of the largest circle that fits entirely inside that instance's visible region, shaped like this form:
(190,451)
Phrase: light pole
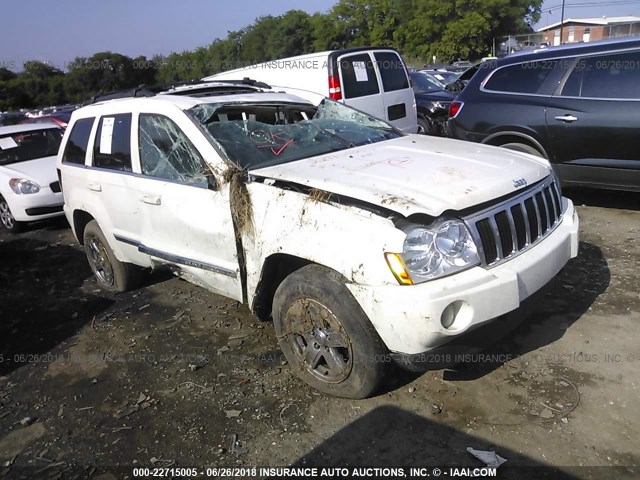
(561,22)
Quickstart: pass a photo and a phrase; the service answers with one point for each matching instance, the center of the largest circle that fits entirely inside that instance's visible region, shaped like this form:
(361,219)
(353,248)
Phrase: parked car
(29,187)
(10,118)
(374,80)
(576,105)
(60,119)
(432,102)
(362,244)
(445,77)
(460,66)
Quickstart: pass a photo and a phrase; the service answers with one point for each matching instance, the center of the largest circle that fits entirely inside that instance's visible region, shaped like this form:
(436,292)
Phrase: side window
(527,77)
(76,149)
(606,76)
(112,147)
(394,76)
(573,85)
(358,76)
(166,152)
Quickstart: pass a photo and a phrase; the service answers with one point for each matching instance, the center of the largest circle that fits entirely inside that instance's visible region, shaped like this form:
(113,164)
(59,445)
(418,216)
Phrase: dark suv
(577,105)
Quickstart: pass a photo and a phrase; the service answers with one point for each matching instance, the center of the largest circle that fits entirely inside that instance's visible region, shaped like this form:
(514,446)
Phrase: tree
(6,74)
(451,29)
(293,35)
(106,72)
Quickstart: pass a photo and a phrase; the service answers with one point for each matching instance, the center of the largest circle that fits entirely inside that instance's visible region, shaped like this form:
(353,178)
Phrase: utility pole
(562,22)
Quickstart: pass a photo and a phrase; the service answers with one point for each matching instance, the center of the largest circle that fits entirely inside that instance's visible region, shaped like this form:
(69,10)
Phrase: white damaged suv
(357,240)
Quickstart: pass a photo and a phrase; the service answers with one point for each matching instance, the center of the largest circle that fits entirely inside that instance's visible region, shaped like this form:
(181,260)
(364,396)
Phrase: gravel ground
(171,375)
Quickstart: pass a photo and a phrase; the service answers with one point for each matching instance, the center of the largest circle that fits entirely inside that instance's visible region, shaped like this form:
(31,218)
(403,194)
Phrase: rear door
(110,187)
(594,121)
(398,96)
(377,83)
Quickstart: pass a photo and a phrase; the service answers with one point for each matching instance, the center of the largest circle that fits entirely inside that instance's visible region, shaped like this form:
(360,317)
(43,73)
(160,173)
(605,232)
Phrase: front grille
(55,187)
(505,230)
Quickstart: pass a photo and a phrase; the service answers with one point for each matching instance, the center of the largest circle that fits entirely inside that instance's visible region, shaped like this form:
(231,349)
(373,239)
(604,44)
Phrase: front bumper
(408,318)
(36,206)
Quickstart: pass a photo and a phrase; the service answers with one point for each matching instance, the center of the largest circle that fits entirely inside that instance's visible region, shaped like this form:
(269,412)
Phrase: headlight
(22,186)
(441,249)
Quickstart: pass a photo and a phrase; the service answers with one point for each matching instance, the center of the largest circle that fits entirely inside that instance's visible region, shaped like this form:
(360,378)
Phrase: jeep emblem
(521,182)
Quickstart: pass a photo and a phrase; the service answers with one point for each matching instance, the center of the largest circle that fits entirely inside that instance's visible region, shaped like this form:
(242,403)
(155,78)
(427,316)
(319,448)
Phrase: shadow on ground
(43,302)
(544,318)
(389,436)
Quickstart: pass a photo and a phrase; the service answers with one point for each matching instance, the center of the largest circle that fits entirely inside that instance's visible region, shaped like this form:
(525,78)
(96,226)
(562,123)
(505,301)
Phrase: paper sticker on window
(7,142)
(106,136)
(360,69)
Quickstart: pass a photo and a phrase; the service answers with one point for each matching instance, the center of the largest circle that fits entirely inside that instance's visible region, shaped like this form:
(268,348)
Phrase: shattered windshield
(255,135)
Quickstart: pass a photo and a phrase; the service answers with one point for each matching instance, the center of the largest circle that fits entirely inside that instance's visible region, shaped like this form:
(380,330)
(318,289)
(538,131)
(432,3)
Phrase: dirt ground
(171,375)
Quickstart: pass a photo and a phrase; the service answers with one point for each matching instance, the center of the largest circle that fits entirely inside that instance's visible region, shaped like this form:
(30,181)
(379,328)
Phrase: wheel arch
(80,221)
(509,136)
(275,269)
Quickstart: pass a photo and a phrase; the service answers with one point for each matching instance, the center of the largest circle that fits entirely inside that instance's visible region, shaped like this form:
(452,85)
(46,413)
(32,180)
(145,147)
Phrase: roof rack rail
(140,91)
(244,81)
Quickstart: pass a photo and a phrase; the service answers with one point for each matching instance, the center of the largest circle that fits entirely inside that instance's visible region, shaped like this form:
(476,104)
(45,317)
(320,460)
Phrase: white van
(374,80)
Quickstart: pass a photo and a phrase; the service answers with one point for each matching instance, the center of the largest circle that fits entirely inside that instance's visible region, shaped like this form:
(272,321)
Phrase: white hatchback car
(361,243)
(29,186)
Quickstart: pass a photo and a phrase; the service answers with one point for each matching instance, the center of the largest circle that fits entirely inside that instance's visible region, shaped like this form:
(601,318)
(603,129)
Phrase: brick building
(591,29)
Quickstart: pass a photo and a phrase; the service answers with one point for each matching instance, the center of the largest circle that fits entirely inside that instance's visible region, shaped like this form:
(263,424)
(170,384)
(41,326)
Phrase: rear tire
(7,221)
(424,126)
(523,147)
(326,337)
(111,274)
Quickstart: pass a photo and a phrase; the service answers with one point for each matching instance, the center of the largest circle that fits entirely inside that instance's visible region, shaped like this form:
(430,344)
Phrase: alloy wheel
(318,340)
(99,261)
(6,217)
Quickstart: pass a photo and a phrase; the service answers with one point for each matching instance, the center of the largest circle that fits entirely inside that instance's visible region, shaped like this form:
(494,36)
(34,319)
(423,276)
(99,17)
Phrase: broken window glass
(166,152)
(256,135)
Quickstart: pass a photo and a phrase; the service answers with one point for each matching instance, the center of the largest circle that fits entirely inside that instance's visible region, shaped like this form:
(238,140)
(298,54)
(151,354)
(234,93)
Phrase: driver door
(187,223)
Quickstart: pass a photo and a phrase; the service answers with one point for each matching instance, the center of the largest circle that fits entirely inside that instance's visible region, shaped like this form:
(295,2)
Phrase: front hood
(416,173)
(40,170)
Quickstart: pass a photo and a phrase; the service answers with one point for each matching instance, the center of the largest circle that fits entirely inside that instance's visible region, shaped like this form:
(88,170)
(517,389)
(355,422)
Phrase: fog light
(457,315)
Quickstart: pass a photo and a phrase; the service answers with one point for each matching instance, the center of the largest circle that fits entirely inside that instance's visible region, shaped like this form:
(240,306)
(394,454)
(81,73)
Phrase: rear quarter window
(605,76)
(527,77)
(392,71)
(358,76)
(76,149)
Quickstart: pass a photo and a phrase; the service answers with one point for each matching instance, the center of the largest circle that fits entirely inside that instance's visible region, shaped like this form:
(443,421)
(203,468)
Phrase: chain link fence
(572,33)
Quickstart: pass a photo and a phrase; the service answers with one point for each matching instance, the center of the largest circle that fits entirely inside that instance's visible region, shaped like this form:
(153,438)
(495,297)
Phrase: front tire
(111,274)
(326,337)
(8,222)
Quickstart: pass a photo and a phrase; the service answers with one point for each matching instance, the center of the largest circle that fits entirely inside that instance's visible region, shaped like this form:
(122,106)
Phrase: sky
(58,32)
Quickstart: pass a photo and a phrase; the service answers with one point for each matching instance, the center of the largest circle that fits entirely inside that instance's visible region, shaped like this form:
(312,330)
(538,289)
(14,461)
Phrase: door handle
(150,199)
(96,187)
(566,118)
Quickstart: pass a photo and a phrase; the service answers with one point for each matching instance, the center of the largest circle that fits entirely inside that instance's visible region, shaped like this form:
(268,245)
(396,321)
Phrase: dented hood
(416,173)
